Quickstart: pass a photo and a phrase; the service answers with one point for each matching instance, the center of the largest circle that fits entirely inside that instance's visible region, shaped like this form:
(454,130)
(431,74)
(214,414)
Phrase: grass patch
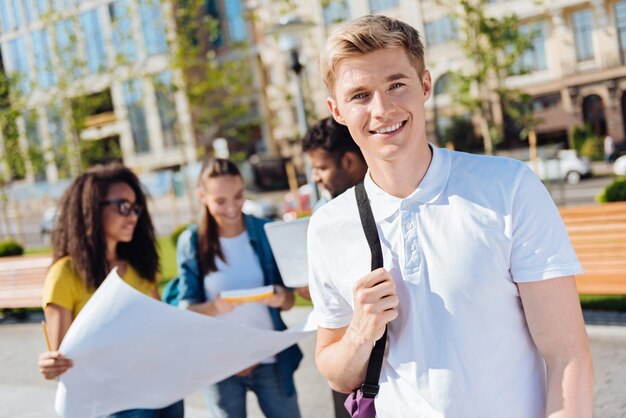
(594,302)
(604,302)
(302,302)
(167,257)
(37,251)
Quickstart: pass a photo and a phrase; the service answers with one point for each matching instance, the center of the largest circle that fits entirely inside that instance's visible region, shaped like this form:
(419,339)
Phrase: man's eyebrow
(354,91)
(396,76)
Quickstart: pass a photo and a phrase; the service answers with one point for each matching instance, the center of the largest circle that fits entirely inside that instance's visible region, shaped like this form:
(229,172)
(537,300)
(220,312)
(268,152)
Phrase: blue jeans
(175,410)
(230,395)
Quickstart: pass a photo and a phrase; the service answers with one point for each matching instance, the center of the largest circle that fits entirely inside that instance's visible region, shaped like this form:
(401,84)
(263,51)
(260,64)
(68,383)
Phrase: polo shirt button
(409,226)
(412,248)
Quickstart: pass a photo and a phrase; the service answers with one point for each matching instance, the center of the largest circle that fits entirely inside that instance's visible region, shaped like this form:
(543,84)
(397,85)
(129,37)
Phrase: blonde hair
(368,34)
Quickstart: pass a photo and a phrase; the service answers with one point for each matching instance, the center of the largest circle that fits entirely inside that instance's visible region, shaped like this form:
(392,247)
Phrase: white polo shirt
(455,247)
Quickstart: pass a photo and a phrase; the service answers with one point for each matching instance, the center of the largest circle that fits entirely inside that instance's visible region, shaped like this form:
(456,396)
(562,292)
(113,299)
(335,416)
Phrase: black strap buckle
(369,391)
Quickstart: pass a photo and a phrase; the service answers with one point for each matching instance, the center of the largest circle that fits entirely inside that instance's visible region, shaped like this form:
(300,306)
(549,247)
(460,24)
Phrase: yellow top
(64,286)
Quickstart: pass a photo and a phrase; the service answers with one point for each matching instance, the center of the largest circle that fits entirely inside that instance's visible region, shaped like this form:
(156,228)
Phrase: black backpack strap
(370,386)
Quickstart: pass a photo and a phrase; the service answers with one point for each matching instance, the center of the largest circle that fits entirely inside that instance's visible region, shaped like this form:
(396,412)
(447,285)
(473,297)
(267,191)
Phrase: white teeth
(389,129)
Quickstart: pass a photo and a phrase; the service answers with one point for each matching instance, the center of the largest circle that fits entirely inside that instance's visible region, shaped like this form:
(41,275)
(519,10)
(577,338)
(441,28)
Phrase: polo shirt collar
(428,191)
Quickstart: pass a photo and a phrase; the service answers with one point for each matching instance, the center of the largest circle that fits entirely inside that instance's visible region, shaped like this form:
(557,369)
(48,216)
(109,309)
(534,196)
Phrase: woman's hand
(52,364)
(221,306)
(281,299)
(214,307)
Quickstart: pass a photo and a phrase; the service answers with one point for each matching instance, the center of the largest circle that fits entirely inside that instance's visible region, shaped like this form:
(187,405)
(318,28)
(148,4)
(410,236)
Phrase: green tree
(217,76)
(11,104)
(493,46)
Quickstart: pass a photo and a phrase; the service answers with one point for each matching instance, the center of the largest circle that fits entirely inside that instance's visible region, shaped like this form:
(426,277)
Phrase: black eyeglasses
(124,207)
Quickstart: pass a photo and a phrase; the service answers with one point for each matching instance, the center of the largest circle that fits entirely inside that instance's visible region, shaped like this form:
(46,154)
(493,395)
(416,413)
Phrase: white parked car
(619,166)
(261,208)
(568,166)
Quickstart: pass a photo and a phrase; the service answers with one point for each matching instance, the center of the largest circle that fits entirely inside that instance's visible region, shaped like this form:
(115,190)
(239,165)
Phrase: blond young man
(478,285)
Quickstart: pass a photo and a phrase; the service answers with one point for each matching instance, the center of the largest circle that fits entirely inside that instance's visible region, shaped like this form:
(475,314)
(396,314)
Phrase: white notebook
(288,242)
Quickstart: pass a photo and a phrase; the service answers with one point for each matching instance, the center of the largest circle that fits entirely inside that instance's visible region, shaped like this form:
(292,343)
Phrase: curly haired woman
(102,224)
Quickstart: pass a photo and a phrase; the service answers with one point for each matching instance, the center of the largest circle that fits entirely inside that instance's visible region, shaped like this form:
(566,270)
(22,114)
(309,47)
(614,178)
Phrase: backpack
(171,292)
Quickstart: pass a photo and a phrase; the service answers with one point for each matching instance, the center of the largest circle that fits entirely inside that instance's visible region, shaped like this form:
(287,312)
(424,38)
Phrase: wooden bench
(598,234)
(21,281)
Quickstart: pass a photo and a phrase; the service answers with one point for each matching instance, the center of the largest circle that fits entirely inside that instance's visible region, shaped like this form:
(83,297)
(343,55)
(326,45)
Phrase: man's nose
(315,176)
(381,105)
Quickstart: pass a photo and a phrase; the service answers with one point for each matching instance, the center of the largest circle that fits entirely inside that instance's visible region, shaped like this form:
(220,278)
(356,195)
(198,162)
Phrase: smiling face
(380,97)
(117,227)
(224,197)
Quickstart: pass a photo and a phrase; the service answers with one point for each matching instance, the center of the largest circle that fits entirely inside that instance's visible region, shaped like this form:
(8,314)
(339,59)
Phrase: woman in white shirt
(228,250)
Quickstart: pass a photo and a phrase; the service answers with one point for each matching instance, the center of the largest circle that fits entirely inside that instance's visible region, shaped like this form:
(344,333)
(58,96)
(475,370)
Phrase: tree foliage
(9,112)
(493,46)
(217,76)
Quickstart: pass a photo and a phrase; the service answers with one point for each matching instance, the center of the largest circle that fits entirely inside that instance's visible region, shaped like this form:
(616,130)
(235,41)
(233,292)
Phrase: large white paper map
(132,351)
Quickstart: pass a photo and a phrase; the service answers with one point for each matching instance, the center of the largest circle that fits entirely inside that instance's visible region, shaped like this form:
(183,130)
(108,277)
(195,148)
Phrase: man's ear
(427,84)
(353,166)
(350,162)
(334,110)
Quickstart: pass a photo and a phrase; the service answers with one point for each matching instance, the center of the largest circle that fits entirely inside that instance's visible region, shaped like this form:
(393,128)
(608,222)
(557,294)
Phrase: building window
(166,103)
(443,84)
(336,11)
(440,31)
(133,98)
(60,5)
(212,10)
(43,58)
(29,11)
(620,17)
(380,5)
(5,25)
(67,52)
(237,28)
(582,22)
(541,103)
(125,48)
(19,65)
(152,26)
(534,58)
(94,42)
(41,7)
(17,15)
(10,15)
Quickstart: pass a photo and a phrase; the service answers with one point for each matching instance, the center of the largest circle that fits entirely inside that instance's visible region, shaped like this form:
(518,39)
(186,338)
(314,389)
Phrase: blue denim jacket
(191,286)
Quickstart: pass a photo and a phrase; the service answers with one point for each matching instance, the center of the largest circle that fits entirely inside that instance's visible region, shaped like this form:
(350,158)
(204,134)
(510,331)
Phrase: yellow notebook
(247,295)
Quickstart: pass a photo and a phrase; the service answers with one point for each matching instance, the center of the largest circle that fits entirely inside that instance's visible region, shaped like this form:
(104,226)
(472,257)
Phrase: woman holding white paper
(229,251)
(102,224)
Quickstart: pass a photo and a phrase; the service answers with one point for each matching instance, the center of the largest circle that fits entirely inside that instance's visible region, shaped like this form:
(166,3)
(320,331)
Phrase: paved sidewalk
(24,394)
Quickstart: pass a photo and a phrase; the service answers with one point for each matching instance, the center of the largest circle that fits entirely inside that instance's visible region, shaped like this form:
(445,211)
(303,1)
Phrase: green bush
(592,148)
(614,192)
(8,248)
(176,233)
(580,135)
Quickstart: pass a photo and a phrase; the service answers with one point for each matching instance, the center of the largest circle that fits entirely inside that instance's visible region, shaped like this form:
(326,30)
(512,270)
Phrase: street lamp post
(290,31)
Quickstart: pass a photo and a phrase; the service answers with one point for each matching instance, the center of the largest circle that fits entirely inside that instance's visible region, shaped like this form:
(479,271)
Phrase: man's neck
(401,177)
